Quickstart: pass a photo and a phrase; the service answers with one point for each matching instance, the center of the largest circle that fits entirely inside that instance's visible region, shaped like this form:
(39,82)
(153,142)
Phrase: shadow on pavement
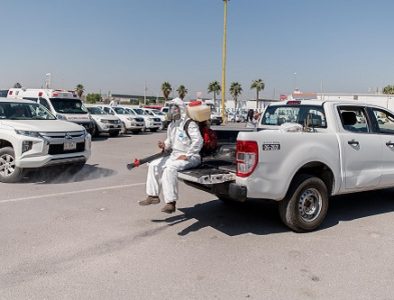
(230,218)
(356,206)
(66,174)
(262,217)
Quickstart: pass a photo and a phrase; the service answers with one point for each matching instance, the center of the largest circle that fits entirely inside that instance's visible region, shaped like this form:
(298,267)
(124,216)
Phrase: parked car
(158,114)
(134,123)
(31,137)
(152,123)
(104,122)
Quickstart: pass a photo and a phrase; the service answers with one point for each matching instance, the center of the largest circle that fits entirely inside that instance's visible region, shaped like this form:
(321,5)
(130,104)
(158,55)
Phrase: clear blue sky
(117,45)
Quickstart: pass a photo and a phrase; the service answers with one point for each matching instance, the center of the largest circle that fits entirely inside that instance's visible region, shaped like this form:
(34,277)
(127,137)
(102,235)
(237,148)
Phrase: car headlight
(61,117)
(130,119)
(104,121)
(29,133)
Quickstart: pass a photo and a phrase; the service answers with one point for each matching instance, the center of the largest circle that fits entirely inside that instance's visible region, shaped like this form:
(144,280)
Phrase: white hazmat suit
(162,172)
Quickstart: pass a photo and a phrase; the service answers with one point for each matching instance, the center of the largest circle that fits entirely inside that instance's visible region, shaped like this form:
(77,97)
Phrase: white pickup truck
(31,137)
(302,153)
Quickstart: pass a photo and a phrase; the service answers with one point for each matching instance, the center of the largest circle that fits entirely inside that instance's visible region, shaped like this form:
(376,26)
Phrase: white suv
(151,122)
(134,124)
(31,137)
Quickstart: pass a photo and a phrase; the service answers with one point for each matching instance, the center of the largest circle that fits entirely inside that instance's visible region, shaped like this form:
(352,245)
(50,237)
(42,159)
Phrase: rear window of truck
(279,114)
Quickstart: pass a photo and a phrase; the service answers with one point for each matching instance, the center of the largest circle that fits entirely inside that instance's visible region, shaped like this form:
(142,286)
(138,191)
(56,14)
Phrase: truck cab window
(354,119)
(385,121)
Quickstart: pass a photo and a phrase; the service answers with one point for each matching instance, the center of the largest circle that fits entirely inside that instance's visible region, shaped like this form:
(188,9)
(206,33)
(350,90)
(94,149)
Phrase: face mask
(174,113)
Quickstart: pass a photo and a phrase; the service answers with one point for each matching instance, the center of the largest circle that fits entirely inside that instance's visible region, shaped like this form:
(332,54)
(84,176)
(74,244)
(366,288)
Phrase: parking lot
(84,236)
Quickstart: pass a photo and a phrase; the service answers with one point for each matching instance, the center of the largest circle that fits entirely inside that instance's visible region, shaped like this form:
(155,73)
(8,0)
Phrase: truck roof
(315,102)
(10,100)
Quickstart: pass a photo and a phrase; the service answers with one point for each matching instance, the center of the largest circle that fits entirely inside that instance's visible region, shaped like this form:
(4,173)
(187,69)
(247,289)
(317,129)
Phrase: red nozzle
(136,163)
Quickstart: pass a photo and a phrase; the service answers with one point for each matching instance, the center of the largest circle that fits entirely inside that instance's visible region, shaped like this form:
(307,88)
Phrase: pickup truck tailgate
(207,175)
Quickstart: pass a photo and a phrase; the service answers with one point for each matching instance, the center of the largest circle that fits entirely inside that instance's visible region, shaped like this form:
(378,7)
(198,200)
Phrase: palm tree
(235,91)
(79,90)
(166,89)
(259,86)
(388,89)
(214,87)
(182,91)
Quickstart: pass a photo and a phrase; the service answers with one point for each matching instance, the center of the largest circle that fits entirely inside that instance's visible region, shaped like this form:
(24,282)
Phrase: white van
(65,105)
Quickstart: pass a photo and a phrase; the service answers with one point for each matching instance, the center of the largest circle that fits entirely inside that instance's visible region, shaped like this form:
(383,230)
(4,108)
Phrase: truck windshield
(96,111)
(68,106)
(24,111)
(277,115)
(139,111)
(120,111)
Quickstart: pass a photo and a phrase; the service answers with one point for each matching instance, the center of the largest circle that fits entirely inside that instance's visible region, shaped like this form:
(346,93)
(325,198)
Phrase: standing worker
(251,119)
(163,172)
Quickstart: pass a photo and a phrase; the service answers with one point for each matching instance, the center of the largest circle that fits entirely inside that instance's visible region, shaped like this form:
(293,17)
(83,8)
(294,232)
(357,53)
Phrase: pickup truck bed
(216,172)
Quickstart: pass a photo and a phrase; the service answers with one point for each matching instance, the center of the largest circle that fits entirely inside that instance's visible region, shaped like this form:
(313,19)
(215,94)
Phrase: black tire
(153,129)
(114,133)
(306,204)
(9,173)
(136,131)
(95,132)
(123,129)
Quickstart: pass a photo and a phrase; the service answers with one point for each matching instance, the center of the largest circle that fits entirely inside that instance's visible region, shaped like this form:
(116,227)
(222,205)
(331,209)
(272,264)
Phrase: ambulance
(65,105)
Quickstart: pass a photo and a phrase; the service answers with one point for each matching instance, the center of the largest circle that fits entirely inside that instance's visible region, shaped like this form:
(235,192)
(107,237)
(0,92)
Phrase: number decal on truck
(271,147)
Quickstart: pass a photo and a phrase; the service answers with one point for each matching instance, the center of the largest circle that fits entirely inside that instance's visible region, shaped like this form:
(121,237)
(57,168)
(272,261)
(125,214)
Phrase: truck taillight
(247,157)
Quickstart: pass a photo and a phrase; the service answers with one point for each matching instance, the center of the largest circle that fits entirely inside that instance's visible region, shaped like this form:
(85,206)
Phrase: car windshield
(157,112)
(138,111)
(24,111)
(120,111)
(131,112)
(68,106)
(277,115)
(96,111)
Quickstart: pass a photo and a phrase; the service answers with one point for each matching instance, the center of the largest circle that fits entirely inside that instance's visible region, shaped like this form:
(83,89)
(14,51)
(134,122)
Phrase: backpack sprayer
(138,162)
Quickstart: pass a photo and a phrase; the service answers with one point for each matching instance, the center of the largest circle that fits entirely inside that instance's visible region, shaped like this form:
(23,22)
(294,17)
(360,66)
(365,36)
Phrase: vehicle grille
(113,121)
(156,119)
(139,119)
(53,135)
(59,149)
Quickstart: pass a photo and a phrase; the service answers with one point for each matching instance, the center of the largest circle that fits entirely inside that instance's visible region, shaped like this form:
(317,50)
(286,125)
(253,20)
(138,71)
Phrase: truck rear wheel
(306,204)
(9,173)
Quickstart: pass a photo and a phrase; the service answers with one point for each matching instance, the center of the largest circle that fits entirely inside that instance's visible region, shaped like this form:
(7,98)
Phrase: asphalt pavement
(84,236)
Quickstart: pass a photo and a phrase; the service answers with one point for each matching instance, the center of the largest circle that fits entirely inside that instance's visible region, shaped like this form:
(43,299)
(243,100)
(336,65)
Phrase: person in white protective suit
(162,172)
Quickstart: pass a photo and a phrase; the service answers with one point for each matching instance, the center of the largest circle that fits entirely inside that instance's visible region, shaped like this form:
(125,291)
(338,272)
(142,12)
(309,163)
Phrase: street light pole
(224,51)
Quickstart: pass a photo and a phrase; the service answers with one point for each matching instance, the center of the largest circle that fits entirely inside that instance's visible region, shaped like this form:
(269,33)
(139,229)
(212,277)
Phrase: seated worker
(163,172)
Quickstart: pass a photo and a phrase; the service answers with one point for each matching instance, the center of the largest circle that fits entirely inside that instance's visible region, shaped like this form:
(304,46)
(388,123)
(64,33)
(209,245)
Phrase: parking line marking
(114,187)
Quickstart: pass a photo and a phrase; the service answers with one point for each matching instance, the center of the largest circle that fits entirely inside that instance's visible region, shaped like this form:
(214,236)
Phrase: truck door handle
(353,143)
(390,144)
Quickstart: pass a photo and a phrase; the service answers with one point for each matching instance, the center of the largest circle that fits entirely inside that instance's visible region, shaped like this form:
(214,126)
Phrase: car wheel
(95,131)
(153,129)
(123,129)
(114,133)
(136,131)
(306,205)
(9,172)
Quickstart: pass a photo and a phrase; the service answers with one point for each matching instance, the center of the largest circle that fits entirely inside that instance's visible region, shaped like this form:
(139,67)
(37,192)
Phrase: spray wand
(139,162)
